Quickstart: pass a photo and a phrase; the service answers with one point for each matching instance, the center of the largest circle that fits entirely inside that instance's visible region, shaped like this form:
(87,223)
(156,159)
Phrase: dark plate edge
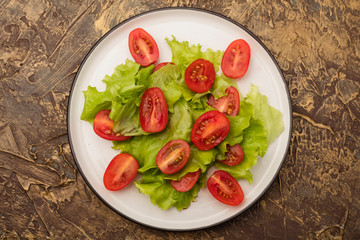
(176,8)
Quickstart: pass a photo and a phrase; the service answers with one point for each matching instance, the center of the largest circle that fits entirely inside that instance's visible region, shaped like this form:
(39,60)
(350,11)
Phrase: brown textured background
(316,194)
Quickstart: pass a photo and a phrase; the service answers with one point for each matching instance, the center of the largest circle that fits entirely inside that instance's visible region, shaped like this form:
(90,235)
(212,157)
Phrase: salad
(173,121)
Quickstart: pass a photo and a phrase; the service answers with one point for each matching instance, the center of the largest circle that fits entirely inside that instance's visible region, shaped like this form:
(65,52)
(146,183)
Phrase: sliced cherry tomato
(209,130)
(228,104)
(153,110)
(234,155)
(200,75)
(103,127)
(160,65)
(186,182)
(120,172)
(235,61)
(143,47)
(225,188)
(173,156)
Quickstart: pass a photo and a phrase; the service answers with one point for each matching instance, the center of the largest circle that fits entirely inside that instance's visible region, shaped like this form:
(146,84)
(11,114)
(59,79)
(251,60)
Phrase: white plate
(92,154)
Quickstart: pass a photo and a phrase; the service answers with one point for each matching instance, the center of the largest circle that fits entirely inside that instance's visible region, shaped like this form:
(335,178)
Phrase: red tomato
(186,182)
(209,130)
(153,110)
(235,61)
(229,104)
(103,127)
(143,47)
(225,188)
(173,156)
(160,65)
(234,155)
(120,172)
(200,75)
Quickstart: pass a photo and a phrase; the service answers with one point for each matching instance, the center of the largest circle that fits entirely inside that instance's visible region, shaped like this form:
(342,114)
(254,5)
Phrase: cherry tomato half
(120,172)
(200,75)
(209,130)
(153,111)
(234,155)
(228,104)
(173,156)
(103,127)
(160,65)
(225,188)
(186,182)
(143,47)
(235,61)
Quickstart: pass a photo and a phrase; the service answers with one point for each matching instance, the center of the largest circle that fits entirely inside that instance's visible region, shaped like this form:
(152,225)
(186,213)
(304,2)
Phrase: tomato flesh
(103,127)
(143,47)
(160,65)
(153,111)
(186,182)
(236,58)
(234,155)
(229,104)
(120,172)
(200,75)
(173,156)
(225,188)
(209,130)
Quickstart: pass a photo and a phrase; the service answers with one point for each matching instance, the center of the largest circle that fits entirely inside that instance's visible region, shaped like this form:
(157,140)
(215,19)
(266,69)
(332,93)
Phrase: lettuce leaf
(183,54)
(126,119)
(270,117)
(254,144)
(163,194)
(256,126)
(119,86)
(123,76)
(170,81)
(145,147)
(95,101)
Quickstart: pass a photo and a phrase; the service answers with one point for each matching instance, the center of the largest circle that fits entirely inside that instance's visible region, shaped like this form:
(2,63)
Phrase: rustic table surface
(316,194)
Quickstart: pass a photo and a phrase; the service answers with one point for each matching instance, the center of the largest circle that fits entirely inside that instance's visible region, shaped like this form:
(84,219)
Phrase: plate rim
(276,173)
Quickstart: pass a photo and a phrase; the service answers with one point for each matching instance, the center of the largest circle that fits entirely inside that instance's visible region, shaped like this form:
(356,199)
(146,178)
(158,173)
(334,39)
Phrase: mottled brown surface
(316,195)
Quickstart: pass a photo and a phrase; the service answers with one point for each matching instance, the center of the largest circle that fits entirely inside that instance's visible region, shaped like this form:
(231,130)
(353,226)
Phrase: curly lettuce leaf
(163,194)
(256,126)
(170,81)
(95,101)
(126,119)
(183,54)
(123,76)
(270,117)
(119,86)
(221,83)
(145,148)
(254,144)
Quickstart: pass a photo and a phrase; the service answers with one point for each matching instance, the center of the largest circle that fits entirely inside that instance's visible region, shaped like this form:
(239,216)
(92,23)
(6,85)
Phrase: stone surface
(316,194)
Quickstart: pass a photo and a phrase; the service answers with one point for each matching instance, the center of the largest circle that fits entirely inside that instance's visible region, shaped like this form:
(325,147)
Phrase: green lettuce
(122,77)
(183,54)
(119,86)
(254,128)
(95,101)
(163,194)
(170,81)
(145,147)
(270,117)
